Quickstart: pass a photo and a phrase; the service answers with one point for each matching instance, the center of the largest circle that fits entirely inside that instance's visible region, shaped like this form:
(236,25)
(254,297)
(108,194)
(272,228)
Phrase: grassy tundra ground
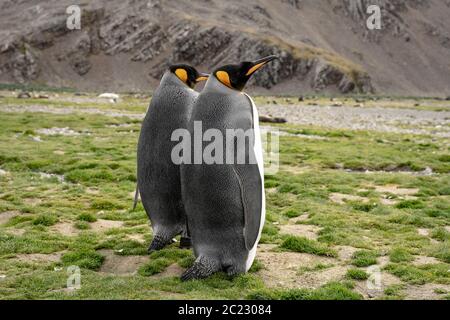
(345,208)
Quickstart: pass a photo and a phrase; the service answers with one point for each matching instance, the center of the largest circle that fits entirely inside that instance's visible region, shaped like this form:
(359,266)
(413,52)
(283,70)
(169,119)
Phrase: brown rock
(269,119)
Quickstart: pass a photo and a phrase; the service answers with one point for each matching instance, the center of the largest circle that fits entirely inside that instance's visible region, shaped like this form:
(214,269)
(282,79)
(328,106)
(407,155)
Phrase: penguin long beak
(259,63)
(202,77)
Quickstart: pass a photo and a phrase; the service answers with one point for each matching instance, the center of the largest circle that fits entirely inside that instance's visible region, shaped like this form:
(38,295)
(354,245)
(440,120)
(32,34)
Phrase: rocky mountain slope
(324,45)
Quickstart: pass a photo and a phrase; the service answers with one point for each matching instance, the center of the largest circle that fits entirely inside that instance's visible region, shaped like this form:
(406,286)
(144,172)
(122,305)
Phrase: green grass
(154,267)
(83,259)
(160,260)
(400,255)
(394,292)
(420,274)
(82,225)
(99,181)
(87,217)
(441,251)
(124,247)
(299,244)
(357,274)
(410,204)
(330,291)
(364,258)
(440,234)
(317,267)
(45,220)
(256,266)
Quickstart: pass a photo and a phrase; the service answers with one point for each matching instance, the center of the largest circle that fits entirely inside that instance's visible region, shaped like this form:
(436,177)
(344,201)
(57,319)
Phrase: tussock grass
(299,244)
(364,258)
(45,220)
(400,255)
(87,217)
(83,259)
(357,274)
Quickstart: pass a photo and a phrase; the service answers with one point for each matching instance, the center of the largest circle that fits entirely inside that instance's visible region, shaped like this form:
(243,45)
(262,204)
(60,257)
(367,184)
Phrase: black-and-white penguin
(225,203)
(158,177)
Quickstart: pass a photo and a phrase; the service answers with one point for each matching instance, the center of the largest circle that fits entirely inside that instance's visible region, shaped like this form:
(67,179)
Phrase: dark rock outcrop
(131,42)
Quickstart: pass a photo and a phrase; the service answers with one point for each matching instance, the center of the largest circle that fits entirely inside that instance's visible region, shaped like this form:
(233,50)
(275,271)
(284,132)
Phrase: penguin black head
(235,76)
(187,74)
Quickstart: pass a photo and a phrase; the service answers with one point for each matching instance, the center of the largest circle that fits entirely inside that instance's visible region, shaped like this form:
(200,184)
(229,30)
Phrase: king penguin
(158,177)
(225,202)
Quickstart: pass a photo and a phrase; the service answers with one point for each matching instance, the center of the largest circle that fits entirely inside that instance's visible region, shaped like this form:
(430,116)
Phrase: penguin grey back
(223,201)
(158,178)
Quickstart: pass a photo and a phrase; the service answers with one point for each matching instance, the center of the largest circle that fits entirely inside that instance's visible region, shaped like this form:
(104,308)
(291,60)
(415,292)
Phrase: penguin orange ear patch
(182,74)
(224,78)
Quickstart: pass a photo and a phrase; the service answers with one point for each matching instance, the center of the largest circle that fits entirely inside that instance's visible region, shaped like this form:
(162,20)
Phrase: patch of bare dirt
(92,191)
(383,261)
(302,217)
(374,287)
(295,170)
(32,201)
(394,189)
(302,230)
(340,198)
(421,260)
(423,232)
(7,215)
(65,228)
(121,265)
(58,131)
(102,225)
(59,152)
(266,247)
(368,118)
(316,279)
(16,232)
(345,253)
(40,257)
(388,202)
(281,268)
(136,237)
(425,292)
(379,280)
(174,270)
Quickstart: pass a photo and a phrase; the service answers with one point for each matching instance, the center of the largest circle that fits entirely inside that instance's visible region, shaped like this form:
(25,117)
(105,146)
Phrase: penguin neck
(169,79)
(214,85)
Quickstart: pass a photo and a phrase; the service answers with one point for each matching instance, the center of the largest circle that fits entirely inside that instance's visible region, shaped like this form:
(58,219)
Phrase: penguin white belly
(260,161)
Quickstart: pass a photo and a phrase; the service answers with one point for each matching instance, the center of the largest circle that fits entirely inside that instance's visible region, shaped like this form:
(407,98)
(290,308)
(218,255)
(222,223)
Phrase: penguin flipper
(136,197)
(202,268)
(250,184)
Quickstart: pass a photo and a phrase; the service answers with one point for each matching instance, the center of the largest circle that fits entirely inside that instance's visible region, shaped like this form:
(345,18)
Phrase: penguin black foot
(185,243)
(158,243)
(201,269)
(233,271)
